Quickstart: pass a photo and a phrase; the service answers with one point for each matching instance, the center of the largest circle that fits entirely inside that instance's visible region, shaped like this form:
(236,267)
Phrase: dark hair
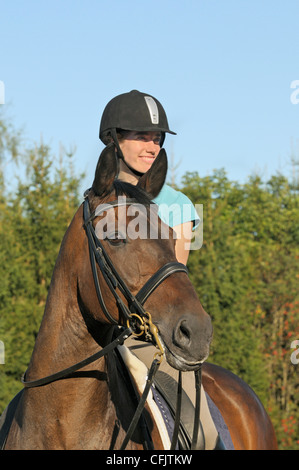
(121,134)
(123,188)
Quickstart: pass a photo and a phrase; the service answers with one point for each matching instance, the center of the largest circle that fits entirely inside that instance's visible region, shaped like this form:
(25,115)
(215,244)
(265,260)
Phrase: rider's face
(140,149)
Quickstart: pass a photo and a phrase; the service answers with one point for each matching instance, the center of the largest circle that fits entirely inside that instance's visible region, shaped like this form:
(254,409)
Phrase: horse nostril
(185,332)
(182,334)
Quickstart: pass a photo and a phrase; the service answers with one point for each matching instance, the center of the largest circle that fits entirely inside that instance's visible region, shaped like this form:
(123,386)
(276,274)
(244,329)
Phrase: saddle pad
(220,424)
(165,412)
(167,387)
(145,351)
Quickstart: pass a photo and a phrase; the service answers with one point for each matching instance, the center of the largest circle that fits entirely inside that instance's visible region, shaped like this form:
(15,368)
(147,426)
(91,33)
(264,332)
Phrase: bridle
(137,319)
(99,256)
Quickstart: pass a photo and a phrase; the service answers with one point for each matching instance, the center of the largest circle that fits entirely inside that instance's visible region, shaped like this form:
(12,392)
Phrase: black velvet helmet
(133,111)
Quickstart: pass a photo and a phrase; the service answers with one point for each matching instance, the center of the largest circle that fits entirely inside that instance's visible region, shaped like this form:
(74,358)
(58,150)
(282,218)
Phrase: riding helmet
(134,111)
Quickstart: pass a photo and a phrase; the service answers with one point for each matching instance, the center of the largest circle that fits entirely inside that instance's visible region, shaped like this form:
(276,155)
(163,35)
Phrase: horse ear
(106,171)
(153,180)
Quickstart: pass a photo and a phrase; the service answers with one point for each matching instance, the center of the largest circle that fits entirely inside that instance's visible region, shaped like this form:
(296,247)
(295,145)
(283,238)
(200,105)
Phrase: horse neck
(63,338)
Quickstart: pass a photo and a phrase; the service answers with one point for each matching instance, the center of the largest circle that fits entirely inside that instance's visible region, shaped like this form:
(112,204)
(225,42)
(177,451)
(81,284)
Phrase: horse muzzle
(187,343)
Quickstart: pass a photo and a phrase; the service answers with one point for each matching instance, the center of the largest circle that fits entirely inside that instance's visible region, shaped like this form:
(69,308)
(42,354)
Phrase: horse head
(135,257)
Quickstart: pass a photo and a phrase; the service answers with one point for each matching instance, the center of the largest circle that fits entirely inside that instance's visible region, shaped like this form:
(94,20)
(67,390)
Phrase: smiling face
(140,149)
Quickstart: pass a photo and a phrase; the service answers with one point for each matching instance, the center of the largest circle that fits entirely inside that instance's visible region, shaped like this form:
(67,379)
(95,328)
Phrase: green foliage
(246,275)
(34,217)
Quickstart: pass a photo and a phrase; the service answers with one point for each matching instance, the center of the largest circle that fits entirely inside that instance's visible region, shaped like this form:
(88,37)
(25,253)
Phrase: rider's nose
(151,147)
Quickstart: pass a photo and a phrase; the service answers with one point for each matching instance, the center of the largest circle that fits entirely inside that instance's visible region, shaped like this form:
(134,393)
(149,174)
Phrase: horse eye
(116,239)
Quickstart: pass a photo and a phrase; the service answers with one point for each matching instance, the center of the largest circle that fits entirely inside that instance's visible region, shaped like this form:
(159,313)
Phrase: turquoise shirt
(175,208)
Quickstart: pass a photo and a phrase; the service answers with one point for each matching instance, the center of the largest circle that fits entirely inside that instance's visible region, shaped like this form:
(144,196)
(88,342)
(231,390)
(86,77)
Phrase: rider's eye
(116,239)
(141,137)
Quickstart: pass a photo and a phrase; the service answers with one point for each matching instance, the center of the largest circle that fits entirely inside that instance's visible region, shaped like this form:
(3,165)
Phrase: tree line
(247,275)
(246,272)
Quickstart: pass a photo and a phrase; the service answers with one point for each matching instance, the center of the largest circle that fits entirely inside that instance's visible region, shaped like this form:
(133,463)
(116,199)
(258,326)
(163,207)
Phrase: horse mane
(123,188)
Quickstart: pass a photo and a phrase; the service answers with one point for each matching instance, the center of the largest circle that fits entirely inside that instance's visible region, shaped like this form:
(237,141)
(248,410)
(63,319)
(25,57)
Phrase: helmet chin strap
(116,143)
(120,154)
(136,173)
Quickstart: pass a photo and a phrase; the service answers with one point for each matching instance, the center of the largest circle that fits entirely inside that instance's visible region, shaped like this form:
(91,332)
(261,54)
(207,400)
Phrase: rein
(138,320)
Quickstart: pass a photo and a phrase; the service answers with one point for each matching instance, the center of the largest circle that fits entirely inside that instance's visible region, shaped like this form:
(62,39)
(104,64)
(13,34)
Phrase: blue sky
(222,69)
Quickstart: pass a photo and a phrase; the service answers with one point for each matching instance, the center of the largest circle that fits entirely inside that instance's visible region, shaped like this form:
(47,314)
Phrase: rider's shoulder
(169,195)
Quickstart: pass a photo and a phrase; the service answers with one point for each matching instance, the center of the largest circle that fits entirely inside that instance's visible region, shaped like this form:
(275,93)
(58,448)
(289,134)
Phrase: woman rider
(136,122)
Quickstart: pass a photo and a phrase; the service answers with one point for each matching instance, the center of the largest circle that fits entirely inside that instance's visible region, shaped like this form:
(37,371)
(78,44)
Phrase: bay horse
(101,292)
